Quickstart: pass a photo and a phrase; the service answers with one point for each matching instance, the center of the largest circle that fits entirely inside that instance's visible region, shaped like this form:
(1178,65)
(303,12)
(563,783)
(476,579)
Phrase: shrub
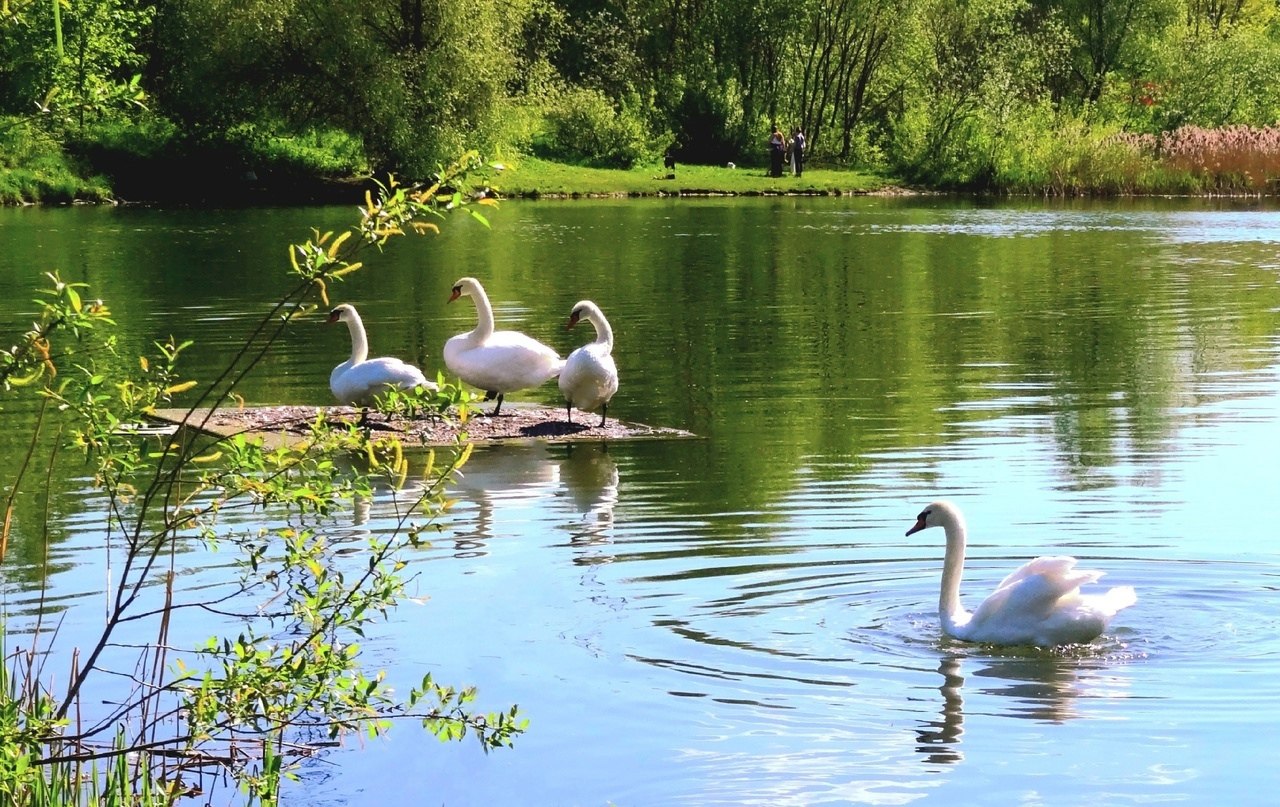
(33,167)
(324,152)
(584,127)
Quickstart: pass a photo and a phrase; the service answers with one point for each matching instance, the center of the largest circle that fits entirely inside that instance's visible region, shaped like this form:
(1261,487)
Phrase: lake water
(739,619)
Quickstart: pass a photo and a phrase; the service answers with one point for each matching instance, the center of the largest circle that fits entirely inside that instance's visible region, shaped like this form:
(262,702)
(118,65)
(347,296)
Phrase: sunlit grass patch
(530,176)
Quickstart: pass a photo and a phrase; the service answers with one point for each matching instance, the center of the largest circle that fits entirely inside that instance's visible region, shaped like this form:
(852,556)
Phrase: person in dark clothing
(777,151)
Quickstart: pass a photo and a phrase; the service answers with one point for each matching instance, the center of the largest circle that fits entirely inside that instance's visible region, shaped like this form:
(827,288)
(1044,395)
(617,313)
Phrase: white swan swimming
(590,377)
(359,378)
(1038,604)
(497,362)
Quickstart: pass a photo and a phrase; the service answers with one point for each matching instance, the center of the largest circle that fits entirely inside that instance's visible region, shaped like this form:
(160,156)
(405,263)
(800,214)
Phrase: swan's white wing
(505,362)
(589,377)
(1040,603)
(1036,586)
(393,371)
(1112,601)
(359,383)
(1056,565)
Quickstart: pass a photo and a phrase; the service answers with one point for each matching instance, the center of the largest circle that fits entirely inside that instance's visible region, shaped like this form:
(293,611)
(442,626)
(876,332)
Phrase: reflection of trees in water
(1045,688)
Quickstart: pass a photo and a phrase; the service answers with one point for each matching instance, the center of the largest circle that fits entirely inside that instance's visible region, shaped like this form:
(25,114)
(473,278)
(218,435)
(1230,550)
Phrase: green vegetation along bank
(197,101)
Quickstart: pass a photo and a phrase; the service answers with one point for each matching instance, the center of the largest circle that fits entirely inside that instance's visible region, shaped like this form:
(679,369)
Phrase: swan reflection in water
(383,510)
(589,482)
(500,483)
(504,488)
(523,482)
(1042,687)
(939,740)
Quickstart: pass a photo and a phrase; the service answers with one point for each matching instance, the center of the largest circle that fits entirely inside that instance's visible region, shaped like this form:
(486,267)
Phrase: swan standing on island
(1039,604)
(359,378)
(497,362)
(590,378)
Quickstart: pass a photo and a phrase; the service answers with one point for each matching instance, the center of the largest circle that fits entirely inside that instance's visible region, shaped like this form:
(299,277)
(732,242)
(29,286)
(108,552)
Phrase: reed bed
(1230,159)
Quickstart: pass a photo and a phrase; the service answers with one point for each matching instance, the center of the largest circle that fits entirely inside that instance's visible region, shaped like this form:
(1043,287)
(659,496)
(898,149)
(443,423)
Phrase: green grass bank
(153,166)
(529,177)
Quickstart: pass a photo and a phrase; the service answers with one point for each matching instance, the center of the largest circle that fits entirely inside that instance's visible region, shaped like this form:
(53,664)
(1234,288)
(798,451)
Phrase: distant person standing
(777,151)
(798,144)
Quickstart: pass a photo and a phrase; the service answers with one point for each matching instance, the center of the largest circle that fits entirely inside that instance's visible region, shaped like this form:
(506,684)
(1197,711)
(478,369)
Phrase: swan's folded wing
(1030,597)
(1035,589)
(510,361)
(1061,568)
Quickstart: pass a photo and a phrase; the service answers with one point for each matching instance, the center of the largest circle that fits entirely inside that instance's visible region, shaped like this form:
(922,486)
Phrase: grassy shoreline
(143,181)
(99,173)
(532,178)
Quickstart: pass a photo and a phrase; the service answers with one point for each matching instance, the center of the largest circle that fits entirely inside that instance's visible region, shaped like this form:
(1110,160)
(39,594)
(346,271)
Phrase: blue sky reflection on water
(739,619)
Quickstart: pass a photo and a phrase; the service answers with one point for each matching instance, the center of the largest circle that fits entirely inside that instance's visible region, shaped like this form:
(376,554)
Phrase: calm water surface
(738,619)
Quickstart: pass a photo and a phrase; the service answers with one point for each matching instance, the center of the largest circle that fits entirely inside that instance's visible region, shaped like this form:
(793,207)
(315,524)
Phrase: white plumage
(359,378)
(590,377)
(497,362)
(1038,604)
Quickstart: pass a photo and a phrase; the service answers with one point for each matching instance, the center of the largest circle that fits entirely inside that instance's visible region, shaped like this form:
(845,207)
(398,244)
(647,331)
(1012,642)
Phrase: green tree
(1216,68)
(956,51)
(847,44)
(77,61)
(412,79)
(1112,37)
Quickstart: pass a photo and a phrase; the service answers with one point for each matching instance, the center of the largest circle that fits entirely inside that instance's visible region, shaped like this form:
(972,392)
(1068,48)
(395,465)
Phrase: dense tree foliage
(951,91)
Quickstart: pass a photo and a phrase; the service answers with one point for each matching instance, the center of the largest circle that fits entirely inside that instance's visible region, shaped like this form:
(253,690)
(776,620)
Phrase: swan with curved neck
(590,377)
(1038,604)
(495,361)
(358,379)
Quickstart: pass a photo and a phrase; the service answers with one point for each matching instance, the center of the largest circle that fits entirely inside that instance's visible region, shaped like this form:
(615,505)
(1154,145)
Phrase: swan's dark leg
(568,410)
(499,406)
(489,395)
(604,413)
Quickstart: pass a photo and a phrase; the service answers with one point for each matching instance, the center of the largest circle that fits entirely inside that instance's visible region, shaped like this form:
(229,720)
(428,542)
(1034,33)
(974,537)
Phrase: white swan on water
(359,378)
(497,362)
(1038,604)
(590,377)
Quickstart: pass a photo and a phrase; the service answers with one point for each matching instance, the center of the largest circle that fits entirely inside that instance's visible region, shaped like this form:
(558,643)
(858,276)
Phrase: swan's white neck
(359,342)
(484,313)
(604,333)
(950,612)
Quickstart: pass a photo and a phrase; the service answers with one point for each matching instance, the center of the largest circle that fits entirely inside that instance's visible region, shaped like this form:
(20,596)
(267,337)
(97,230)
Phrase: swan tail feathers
(1118,598)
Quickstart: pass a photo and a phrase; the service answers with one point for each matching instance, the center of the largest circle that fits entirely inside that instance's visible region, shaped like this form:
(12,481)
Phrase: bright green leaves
(445,713)
(61,311)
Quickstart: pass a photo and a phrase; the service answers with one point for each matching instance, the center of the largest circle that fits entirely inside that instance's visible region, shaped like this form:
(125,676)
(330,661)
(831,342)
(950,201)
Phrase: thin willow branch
(17,481)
